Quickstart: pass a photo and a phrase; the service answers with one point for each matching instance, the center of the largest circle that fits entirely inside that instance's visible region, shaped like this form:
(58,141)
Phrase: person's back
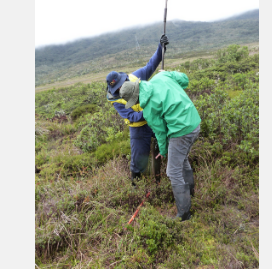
(164,100)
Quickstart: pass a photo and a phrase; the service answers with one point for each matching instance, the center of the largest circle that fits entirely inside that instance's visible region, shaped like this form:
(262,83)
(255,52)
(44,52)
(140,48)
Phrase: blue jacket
(143,73)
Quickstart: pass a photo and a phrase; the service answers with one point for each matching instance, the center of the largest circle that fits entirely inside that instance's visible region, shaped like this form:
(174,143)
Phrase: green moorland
(83,192)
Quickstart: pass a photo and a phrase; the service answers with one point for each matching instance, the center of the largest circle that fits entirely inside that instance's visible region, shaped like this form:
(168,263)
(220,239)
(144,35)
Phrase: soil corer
(156,163)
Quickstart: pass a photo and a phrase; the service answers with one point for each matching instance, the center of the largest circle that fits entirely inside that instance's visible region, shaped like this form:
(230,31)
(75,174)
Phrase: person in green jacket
(176,123)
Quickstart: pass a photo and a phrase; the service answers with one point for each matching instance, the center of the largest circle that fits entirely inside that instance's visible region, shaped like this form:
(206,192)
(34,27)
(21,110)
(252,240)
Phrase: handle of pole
(164,31)
(165,13)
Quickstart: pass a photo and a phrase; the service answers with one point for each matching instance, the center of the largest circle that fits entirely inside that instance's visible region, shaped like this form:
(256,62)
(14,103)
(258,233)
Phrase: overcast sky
(60,21)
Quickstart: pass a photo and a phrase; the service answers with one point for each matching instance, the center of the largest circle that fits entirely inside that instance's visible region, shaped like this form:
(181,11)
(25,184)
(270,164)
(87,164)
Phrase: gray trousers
(178,150)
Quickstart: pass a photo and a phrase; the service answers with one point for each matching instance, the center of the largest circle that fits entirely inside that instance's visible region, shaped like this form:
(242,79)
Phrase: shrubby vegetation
(69,99)
(83,192)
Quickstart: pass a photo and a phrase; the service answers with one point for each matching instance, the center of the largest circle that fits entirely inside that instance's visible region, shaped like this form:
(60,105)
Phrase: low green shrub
(82,110)
(107,152)
(68,99)
(41,158)
(102,128)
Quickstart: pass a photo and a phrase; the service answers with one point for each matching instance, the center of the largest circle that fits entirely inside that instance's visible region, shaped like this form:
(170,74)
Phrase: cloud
(59,21)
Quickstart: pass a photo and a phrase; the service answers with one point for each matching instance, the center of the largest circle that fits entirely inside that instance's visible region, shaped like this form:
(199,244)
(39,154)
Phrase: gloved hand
(164,40)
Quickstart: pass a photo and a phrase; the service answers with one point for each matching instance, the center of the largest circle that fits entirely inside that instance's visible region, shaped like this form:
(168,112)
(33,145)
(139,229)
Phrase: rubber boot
(183,201)
(189,178)
(135,177)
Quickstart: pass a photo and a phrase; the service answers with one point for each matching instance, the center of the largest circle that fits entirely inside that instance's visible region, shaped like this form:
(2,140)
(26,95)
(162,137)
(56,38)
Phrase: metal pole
(163,48)
(156,163)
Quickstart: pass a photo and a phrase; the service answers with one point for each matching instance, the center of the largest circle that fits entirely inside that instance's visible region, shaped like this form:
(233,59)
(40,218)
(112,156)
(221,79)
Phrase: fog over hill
(52,62)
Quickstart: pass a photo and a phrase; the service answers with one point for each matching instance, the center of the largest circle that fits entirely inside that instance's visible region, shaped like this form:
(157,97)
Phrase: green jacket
(167,108)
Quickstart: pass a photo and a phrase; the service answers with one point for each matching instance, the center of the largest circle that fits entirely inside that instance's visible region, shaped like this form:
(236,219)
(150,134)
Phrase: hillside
(120,49)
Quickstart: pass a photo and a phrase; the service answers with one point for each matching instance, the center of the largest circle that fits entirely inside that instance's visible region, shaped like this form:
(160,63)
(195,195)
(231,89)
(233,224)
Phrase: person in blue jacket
(140,132)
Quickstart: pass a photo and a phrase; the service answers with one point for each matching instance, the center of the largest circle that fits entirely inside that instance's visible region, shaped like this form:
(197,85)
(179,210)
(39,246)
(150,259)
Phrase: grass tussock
(81,224)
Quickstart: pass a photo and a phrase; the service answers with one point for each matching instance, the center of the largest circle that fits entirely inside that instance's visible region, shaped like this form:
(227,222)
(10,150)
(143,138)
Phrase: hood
(159,84)
(181,78)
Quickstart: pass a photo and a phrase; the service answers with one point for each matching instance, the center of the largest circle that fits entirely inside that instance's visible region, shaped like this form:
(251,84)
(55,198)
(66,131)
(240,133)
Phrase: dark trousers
(140,139)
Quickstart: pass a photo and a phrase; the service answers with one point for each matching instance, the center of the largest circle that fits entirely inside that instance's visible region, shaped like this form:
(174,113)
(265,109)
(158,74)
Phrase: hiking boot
(135,177)
(183,201)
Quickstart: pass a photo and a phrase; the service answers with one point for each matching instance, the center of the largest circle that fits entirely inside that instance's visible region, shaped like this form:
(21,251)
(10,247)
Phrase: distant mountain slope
(250,15)
(84,56)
